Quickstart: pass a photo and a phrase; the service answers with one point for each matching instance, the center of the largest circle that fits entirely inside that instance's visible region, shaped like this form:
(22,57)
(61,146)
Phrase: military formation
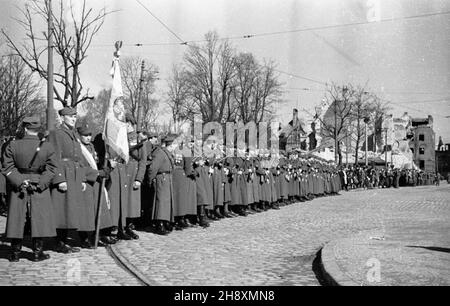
(67,184)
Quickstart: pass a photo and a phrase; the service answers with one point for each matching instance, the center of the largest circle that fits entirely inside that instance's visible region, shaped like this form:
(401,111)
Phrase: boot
(129,231)
(61,243)
(226,212)
(233,211)
(250,209)
(255,208)
(265,206)
(178,224)
(211,215)
(201,217)
(107,239)
(168,226)
(38,250)
(122,235)
(202,222)
(85,240)
(61,247)
(183,223)
(16,247)
(217,213)
(241,211)
(188,221)
(160,229)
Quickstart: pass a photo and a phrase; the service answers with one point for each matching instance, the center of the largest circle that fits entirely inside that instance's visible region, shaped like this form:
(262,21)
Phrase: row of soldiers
(209,189)
(371,177)
(65,182)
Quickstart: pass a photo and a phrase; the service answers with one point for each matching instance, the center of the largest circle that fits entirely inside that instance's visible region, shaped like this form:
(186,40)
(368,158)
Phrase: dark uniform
(180,190)
(160,176)
(91,194)
(29,166)
(135,169)
(68,204)
(3,207)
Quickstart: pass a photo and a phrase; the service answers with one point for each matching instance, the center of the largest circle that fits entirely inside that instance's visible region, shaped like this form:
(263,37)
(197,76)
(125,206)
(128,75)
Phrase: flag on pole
(115,129)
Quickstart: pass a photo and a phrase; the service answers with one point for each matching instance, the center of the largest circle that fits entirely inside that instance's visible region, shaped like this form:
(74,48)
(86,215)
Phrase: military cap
(67,111)
(84,130)
(32,122)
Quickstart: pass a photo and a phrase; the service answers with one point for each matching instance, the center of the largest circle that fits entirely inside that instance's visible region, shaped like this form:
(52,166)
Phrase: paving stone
(270,248)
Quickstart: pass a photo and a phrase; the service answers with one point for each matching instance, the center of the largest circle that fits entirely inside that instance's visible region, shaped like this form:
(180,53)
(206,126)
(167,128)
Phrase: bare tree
(179,95)
(71,43)
(334,114)
(361,110)
(245,85)
(95,111)
(226,74)
(256,89)
(19,94)
(222,86)
(131,75)
(267,93)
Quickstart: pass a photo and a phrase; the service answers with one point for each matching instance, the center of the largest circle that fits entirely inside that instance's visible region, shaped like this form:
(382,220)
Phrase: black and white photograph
(225,150)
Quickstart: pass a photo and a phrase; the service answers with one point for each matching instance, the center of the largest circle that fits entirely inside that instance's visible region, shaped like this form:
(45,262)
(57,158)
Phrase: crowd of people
(69,182)
(381,177)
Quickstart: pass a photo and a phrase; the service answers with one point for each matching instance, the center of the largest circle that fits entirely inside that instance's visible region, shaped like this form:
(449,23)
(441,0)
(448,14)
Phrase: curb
(330,269)
(129,267)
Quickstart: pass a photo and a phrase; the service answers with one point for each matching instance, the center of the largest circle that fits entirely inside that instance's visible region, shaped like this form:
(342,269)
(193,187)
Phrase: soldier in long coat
(255,184)
(69,181)
(241,187)
(263,184)
(135,168)
(160,174)
(218,188)
(3,207)
(248,178)
(204,191)
(226,178)
(180,190)
(146,192)
(207,172)
(191,195)
(29,165)
(92,192)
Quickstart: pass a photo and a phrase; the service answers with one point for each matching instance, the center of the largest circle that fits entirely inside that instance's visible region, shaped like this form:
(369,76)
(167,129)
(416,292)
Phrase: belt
(29,171)
(164,172)
(69,159)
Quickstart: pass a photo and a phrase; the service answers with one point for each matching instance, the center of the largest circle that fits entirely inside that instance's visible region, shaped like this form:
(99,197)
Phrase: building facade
(423,143)
(443,159)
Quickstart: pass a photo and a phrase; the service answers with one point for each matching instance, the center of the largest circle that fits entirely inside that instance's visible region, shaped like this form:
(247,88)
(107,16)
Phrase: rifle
(38,149)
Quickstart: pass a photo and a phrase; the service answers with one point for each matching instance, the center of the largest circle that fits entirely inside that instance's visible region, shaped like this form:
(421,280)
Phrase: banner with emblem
(115,129)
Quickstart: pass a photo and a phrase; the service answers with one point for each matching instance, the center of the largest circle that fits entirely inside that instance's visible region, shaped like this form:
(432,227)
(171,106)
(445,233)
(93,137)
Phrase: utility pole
(336,157)
(139,101)
(385,147)
(366,121)
(346,148)
(50,107)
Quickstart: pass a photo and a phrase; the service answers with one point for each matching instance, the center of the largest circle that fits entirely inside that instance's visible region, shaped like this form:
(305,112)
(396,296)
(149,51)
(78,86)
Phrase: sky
(405,60)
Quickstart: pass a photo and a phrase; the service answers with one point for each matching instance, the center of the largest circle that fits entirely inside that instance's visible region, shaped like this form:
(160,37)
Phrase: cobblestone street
(271,248)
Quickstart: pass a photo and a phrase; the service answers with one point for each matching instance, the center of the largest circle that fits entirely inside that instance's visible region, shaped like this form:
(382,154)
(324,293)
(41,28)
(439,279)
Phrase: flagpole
(101,197)
(100,201)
